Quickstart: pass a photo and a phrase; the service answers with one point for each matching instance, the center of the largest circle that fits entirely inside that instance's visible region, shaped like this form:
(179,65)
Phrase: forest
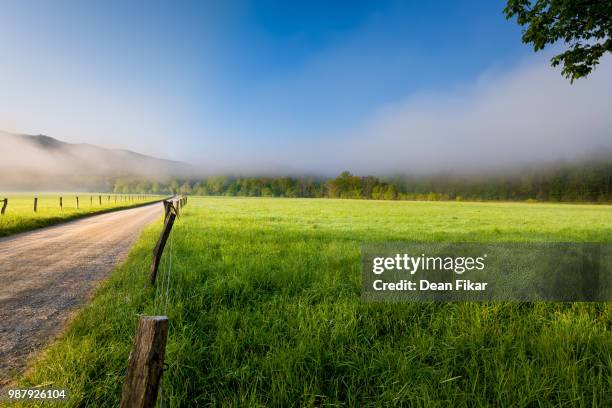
(562,181)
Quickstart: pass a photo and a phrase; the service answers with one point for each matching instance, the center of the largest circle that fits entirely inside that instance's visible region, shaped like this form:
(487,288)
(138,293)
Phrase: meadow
(265,310)
(20,216)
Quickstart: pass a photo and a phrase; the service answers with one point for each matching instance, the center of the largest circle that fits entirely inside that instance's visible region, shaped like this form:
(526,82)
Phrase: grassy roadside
(265,311)
(20,216)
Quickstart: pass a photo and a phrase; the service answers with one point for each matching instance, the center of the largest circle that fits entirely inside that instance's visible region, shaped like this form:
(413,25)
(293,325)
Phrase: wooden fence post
(5,203)
(167,206)
(77,198)
(176,206)
(100,199)
(159,247)
(91,201)
(61,204)
(146,363)
(35,204)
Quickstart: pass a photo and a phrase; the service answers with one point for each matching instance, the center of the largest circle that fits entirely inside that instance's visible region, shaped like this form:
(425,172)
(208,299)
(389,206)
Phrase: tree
(584,25)
(173,187)
(391,193)
(185,188)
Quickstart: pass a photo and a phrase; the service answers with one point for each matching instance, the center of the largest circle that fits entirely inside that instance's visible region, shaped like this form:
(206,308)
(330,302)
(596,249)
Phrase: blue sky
(243,83)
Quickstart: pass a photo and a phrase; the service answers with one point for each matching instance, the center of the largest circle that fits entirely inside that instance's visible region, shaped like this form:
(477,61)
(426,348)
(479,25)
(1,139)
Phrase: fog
(44,163)
(499,121)
(529,115)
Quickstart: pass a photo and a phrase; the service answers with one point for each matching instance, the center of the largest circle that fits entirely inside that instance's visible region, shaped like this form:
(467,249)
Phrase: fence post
(4,205)
(35,204)
(77,197)
(91,201)
(61,204)
(159,247)
(100,199)
(176,206)
(146,363)
(167,206)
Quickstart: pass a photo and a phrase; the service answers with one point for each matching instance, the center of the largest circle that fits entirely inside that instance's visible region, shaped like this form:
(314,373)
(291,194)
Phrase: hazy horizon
(253,88)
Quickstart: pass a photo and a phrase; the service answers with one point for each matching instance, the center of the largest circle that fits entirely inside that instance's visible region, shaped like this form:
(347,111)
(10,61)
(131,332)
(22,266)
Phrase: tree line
(563,182)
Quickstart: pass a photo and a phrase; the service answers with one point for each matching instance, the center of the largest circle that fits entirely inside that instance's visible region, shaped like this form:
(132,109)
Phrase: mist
(44,163)
(499,121)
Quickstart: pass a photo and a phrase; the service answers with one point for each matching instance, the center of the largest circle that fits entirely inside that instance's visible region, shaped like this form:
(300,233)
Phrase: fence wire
(163,296)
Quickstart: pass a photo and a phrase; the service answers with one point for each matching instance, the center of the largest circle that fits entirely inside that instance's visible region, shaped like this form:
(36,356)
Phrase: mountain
(43,163)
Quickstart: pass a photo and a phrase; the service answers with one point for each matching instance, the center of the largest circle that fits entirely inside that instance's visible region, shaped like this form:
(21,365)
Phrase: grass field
(20,215)
(265,310)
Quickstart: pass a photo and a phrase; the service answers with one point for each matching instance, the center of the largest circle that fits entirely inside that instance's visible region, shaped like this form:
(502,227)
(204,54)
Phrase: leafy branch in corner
(584,25)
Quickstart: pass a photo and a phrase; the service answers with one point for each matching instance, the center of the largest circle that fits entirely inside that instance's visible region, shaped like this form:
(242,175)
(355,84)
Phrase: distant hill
(43,163)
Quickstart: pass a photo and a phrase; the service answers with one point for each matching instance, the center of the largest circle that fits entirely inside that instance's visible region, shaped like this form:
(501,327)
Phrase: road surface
(47,273)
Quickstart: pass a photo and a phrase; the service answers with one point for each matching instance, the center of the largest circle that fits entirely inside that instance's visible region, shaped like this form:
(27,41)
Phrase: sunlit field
(265,310)
(20,216)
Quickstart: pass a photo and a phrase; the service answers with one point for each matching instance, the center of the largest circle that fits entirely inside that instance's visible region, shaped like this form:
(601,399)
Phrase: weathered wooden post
(77,199)
(4,204)
(159,247)
(35,204)
(176,206)
(100,199)
(167,207)
(146,363)
(61,204)
(91,201)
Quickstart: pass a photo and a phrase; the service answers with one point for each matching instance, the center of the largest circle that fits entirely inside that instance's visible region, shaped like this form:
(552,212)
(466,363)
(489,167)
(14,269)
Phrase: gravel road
(47,273)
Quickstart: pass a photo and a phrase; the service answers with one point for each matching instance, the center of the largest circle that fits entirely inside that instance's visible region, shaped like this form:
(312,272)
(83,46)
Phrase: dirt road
(47,273)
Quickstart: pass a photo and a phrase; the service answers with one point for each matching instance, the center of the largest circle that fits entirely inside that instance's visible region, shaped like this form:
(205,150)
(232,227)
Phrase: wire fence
(72,201)
(144,377)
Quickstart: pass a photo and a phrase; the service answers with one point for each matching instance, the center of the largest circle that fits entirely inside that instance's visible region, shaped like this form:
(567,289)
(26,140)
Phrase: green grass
(265,310)
(20,215)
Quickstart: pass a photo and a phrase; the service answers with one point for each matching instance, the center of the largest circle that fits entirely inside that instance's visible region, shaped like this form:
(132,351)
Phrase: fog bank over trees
(589,180)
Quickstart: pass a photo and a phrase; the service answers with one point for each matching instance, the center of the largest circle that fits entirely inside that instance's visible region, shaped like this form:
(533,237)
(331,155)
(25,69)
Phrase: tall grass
(265,310)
